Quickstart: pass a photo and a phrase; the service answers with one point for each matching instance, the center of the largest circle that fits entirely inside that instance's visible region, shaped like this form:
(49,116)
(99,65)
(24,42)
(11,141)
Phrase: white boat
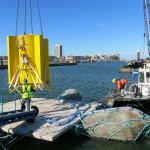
(142,87)
(138,93)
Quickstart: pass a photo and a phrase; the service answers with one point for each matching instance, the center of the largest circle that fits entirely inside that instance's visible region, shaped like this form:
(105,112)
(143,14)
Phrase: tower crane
(146,4)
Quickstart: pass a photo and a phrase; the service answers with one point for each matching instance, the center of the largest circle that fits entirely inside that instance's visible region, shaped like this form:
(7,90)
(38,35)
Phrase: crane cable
(31,18)
(17,18)
(24,16)
(40,17)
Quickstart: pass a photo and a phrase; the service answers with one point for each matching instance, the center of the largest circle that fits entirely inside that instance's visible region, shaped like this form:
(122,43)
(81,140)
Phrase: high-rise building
(138,55)
(58,50)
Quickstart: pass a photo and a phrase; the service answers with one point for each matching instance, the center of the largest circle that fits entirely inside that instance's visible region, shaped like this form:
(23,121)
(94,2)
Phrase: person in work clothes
(120,84)
(27,93)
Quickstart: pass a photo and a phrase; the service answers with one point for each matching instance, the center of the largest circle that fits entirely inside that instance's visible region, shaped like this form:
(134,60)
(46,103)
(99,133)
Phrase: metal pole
(15,102)
(1,102)
(1,61)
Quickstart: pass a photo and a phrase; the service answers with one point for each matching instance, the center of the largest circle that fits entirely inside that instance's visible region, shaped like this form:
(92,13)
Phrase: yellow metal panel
(13,57)
(45,61)
(35,49)
(38,54)
(42,57)
(30,54)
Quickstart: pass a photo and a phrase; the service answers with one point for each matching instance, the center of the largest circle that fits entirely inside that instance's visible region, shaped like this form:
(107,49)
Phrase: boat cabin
(142,86)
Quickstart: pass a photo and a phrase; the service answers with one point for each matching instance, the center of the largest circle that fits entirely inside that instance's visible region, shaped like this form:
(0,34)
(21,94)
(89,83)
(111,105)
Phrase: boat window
(141,77)
(148,77)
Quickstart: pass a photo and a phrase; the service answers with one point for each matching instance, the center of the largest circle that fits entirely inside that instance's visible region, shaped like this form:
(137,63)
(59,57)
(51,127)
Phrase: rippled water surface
(93,80)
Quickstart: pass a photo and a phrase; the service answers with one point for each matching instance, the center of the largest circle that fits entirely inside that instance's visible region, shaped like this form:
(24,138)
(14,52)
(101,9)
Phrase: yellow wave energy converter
(28,57)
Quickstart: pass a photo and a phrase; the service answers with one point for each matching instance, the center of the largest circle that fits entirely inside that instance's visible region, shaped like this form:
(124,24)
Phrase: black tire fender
(36,110)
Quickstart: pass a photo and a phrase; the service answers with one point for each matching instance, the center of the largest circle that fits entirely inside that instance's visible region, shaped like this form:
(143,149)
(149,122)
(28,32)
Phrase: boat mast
(146,5)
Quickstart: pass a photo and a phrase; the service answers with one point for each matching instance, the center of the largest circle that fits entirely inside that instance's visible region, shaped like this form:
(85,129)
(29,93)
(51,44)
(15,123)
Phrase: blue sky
(83,27)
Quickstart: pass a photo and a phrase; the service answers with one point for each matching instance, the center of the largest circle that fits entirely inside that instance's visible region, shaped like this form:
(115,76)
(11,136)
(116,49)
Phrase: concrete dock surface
(48,109)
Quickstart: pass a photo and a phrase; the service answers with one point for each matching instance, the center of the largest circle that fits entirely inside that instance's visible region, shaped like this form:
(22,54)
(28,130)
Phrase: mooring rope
(54,122)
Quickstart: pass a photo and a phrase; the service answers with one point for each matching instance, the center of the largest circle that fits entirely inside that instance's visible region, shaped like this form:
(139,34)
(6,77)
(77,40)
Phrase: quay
(125,70)
(4,65)
(51,65)
(48,109)
(62,64)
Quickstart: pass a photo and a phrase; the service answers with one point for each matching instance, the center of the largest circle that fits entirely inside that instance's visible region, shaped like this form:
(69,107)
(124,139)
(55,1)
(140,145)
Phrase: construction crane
(146,5)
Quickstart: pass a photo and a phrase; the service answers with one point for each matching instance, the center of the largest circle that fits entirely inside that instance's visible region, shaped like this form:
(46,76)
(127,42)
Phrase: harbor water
(93,81)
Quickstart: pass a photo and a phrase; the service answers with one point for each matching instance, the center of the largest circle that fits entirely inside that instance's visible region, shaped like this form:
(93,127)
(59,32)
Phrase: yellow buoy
(28,57)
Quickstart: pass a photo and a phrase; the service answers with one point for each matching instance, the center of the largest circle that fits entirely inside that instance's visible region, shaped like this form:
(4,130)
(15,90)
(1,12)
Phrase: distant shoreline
(2,66)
